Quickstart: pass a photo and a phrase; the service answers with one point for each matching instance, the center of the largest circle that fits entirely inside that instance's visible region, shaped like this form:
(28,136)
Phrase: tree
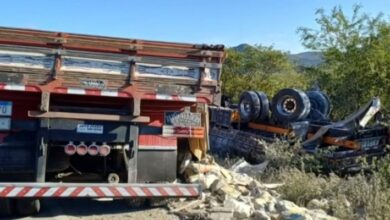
(258,68)
(357,57)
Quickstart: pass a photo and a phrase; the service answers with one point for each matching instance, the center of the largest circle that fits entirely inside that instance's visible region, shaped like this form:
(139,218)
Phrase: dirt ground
(87,209)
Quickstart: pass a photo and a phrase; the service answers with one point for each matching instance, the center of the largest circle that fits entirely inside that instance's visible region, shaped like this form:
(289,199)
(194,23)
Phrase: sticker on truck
(90,129)
(5,124)
(183,119)
(5,108)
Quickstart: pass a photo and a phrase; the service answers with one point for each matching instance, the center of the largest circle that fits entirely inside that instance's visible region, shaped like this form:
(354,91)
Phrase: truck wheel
(249,106)
(27,207)
(264,106)
(320,105)
(290,105)
(5,208)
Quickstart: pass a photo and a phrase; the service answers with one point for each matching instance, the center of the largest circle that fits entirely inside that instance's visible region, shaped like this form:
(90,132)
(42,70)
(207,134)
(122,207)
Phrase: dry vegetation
(364,195)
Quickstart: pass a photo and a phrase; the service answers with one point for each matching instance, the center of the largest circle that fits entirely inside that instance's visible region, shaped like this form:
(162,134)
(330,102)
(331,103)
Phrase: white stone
(244,167)
(217,185)
(263,200)
(208,180)
(284,205)
(260,215)
(241,210)
(318,204)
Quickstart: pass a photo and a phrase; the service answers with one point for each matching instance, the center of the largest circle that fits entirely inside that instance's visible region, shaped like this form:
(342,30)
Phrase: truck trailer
(92,116)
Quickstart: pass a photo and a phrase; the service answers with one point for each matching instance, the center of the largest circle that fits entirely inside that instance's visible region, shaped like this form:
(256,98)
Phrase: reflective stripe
(14,191)
(76,91)
(38,190)
(139,191)
(50,192)
(106,191)
(15,87)
(92,92)
(182,98)
(154,147)
(109,93)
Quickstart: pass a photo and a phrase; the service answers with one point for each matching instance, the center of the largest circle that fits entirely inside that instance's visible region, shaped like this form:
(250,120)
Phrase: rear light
(104,150)
(93,149)
(70,148)
(82,149)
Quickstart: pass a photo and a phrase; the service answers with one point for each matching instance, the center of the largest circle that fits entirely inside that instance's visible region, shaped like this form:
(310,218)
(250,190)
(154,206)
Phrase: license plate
(5,124)
(90,129)
(5,108)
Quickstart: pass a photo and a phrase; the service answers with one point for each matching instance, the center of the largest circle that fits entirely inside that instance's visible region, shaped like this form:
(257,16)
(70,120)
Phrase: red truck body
(91,116)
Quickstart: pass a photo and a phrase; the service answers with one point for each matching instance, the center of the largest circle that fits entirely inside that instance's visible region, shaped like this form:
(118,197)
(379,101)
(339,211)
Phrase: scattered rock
(240,209)
(243,190)
(195,178)
(242,179)
(221,213)
(318,204)
(208,180)
(260,215)
(230,191)
(220,216)
(226,175)
(295,216)
(233,194)
(284,205)
(263,200)
(217,185)
(213,203)
(242,166)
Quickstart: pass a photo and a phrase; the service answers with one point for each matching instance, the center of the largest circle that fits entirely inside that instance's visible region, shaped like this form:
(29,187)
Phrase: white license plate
(5,108)
(5,124)
(90,129)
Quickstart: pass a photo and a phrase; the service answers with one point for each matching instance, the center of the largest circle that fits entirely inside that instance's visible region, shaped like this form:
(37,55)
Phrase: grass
(361,196)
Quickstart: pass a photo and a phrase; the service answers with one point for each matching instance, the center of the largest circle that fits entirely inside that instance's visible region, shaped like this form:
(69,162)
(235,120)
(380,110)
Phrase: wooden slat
(87,116)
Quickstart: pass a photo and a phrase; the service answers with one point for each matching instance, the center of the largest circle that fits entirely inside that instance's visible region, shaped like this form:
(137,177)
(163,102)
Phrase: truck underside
(294,116)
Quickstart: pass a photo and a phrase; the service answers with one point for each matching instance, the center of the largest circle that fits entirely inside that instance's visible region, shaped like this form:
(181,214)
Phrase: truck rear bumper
(92,190)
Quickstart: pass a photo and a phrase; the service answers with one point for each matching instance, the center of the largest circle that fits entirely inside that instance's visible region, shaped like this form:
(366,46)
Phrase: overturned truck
(294,115)
(92,116)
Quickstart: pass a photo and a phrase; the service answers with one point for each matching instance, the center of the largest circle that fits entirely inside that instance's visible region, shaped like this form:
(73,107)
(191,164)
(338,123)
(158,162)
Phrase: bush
(362,196)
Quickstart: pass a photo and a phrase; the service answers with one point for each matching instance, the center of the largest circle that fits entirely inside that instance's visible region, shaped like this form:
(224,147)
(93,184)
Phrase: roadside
(69,209)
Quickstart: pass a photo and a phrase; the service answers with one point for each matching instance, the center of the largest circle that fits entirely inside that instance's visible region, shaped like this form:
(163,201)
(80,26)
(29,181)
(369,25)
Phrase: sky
(266,22)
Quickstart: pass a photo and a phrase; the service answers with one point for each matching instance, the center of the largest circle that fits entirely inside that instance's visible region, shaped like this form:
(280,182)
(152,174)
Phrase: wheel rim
(289,105)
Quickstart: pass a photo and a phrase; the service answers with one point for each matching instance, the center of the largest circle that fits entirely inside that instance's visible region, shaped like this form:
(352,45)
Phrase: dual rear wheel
(288,105)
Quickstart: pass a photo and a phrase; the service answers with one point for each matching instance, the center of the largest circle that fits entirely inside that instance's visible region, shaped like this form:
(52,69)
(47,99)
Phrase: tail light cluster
(83,149)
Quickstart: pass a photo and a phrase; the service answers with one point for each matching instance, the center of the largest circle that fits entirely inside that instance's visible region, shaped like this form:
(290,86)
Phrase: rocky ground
(233,194)
(87,209)
(226,194)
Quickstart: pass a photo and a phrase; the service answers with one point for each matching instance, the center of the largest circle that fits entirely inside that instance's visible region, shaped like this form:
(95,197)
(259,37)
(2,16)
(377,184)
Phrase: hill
(304,59)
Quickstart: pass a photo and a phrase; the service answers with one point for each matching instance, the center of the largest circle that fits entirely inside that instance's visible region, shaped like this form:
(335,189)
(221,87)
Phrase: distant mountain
(305,59)
(242,47)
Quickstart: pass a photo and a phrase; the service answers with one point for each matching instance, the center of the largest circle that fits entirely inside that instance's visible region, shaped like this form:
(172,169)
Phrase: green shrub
(361,196)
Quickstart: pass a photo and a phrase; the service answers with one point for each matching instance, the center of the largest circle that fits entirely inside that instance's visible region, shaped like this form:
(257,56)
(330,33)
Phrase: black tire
(264,106)
(27,207)
(320,105)
(290,105)
(5,208)
(249,106)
